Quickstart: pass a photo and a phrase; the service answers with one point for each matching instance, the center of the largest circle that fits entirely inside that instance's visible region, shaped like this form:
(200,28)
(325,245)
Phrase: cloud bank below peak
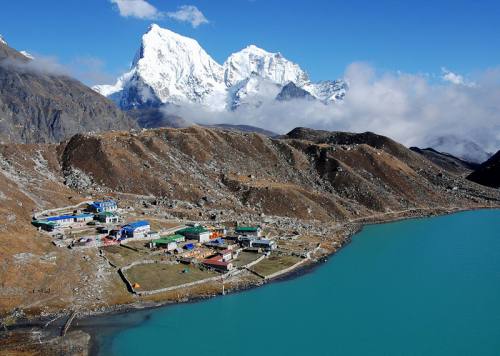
(410,108)
(141,9)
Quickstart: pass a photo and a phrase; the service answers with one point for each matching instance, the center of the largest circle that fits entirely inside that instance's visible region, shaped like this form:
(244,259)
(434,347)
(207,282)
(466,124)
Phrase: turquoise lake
(416,287)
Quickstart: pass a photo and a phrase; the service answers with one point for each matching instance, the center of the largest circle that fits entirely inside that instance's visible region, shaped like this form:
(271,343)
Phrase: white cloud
(46,65)
(137,8)
(89,70)
(410,108)
(142,9)
(189,13)
(455,78)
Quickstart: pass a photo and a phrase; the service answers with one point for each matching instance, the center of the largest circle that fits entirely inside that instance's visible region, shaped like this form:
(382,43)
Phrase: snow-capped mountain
(172,69)
(251,91)
(168,68)
(327,90)
(271,66)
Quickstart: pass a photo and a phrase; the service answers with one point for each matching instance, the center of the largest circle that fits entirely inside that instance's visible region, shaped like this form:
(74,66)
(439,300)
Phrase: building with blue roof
(53,222)
(103,206)
(136,229)
(83,217)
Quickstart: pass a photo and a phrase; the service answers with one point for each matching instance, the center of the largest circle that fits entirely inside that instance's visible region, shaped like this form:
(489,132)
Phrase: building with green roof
(45,225)
(108,217)
(199,233)
(249,230)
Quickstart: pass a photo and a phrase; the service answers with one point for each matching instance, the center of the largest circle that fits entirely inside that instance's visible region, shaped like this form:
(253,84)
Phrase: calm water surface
(415,287)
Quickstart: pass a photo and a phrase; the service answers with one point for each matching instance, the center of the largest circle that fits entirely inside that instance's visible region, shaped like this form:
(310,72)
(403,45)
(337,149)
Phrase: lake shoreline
(86,322)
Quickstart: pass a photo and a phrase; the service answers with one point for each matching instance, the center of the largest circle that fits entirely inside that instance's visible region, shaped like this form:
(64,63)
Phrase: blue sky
(323,36)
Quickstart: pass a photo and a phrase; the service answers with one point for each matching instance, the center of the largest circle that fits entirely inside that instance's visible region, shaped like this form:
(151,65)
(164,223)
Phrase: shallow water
(416,287)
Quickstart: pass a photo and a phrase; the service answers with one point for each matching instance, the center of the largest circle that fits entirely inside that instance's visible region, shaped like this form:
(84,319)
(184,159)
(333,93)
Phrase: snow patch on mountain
(267,65)
(327,90)
(3,41)
(27,55)
(252,92)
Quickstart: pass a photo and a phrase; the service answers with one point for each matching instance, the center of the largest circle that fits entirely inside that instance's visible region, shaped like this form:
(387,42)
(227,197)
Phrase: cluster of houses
(102,211)
(208,239)
(227,247)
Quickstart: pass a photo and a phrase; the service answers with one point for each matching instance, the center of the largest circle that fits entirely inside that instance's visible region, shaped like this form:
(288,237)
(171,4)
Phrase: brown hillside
(200,173)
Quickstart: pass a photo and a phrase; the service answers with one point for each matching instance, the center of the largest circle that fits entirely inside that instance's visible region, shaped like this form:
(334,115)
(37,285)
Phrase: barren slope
(200,173)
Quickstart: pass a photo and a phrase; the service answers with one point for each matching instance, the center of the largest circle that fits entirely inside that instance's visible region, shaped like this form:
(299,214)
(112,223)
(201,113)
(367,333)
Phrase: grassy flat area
(274,264)
(245,258)
(156,276)
(139,245)
(121,256)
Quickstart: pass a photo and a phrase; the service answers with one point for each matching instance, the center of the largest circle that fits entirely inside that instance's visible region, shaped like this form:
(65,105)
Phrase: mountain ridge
(40,106)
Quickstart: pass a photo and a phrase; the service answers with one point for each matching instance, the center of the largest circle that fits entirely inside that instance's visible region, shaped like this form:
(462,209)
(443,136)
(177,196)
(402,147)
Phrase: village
(154,256)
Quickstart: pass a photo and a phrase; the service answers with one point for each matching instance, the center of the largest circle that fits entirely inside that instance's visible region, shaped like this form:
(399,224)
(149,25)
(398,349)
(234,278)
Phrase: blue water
(416,287)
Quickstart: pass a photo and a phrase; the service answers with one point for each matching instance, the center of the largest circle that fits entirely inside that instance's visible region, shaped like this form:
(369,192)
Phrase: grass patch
(121,256)
(274,264)
(245,258)
(155,276)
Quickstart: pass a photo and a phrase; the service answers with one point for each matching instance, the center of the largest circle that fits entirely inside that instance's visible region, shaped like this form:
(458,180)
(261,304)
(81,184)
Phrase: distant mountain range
(169,69)
(172,69)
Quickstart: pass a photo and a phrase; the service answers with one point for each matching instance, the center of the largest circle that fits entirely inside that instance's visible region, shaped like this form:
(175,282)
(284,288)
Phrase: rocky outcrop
(488,173)
(446,160)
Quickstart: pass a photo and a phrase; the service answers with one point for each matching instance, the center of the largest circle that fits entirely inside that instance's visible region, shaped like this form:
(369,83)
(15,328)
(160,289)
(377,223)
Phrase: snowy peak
(328,90)
(169,68)
(176,68)
(267,65)
(2,41)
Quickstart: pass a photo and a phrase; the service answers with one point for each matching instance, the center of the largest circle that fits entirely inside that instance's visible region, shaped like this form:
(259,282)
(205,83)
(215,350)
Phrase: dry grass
(121,256)
(156,275)
(245,258)
(274,264)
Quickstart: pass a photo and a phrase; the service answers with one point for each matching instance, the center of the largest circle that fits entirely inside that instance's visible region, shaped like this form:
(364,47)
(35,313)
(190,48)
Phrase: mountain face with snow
(168,68)
(172,69)
(270,66)
(461,147)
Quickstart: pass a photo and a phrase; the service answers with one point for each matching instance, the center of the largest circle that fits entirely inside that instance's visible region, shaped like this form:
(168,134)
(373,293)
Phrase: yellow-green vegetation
(245,258)
(141,246)
(121,256)
(274,264)
(157,275)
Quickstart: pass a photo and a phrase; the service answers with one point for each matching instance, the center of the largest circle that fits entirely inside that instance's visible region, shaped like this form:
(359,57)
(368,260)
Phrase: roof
(61,217)
(43,222)
(263,241)
(104,203)
(107,213)
(193,230)
(215,262)
(248,228)
(172,237)
(136,224)
(83,216)
(163,240)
